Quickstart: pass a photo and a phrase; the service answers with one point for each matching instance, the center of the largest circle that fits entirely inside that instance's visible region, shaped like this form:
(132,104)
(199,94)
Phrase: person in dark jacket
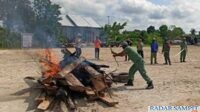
(154,50)
(166,51)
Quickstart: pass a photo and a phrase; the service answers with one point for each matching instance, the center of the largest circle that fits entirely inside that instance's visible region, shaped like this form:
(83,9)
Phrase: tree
(47,17)
(151,29)
(178,32)
(113,31)
(193,31)
(17,15)
(9,39)
(163,31)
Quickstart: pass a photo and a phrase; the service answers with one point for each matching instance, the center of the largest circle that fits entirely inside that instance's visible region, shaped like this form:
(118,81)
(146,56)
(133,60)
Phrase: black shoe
(164,63)
(150,85)
(129,83)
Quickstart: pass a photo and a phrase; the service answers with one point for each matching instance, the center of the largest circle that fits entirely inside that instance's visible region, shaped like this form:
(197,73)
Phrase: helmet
(124,44)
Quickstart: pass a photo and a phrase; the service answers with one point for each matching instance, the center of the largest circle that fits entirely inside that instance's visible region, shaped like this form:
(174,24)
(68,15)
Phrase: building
(84,27)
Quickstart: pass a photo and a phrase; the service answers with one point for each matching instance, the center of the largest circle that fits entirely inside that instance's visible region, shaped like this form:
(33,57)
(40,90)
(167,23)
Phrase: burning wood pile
(69,79)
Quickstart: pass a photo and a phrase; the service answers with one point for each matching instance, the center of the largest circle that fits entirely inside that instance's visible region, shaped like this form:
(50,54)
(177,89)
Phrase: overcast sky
(138,13)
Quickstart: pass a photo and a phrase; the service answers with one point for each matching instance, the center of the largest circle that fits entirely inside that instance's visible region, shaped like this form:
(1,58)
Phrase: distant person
(78,47)
(183,51)
(137,66)
(97,45)
(154,50)
(140,47)
(166,51)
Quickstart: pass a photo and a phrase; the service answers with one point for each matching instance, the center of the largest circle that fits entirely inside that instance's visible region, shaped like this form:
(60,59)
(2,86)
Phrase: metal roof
(92,22)
(79,21)
(83,21)
(65,21)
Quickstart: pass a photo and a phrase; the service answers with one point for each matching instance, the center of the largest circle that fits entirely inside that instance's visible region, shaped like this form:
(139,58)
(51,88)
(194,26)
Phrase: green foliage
(17,15)
(147,36)
(176,32)
(47,17)
(9,39)
(151,29)
(62,39)
(113,31)
(193,31)
(163,31)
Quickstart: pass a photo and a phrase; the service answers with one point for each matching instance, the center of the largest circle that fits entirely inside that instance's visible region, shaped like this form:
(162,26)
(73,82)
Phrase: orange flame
(49,63)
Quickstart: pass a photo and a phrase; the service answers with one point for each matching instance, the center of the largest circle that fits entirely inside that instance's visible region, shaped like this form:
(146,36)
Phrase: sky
(139,14)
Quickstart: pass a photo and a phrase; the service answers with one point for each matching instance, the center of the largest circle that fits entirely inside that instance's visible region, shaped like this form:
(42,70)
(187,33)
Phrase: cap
(124,44)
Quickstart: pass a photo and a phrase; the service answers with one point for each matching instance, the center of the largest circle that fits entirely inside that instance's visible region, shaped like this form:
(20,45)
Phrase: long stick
(114,58)
(179,53)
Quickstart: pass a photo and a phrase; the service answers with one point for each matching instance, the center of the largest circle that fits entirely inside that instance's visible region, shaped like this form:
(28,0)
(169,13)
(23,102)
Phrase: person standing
(166,51)
(154,50)
(78,47)
(183,51)
(137,66)
(140,47)
(97,45)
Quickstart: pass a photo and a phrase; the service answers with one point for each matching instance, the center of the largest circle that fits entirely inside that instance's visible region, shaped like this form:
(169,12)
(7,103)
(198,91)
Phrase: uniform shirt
(133,56)
(166,47)
(97,43)
(140,46)
(183,45)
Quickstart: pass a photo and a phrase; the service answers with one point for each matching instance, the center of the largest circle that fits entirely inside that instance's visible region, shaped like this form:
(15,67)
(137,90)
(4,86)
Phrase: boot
(150,85)
(129,83)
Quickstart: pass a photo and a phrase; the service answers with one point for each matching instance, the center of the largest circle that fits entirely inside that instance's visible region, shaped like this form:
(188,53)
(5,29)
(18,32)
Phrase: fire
(49,63)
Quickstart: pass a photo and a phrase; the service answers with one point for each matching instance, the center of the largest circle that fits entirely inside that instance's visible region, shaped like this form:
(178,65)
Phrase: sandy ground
(178,84)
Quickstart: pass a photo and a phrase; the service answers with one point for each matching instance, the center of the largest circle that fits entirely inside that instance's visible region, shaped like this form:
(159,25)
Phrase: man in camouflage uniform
(166,50)
(183,51)
(137,66)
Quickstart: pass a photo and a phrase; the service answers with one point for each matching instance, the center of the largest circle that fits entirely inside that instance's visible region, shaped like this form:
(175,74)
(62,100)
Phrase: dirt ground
(178,84)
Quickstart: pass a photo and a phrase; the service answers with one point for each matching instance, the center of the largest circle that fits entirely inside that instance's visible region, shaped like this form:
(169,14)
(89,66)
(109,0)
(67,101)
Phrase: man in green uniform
(166,50)
(183,51)
(137,66)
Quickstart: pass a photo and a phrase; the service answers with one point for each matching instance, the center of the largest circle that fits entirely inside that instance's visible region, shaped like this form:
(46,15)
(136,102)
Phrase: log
(68,68)
(120,77)
(63,106)
(40,97)
(64,96)
(91,95)
(91,71)
(90,92)
(107,100)
(99,83)
(74,83)
(70,103)
(97,79)
(45,103)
